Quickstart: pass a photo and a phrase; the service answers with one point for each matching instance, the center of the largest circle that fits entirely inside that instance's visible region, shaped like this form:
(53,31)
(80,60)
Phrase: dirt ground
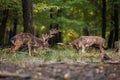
(58,71)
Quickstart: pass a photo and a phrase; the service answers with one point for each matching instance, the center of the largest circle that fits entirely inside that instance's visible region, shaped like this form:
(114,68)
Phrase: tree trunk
(116,24)
(51,41)
(58,37)
(13,32)
(103,18)
(15,25)
(110,39)
(3,26)
(86,31)
(28,16)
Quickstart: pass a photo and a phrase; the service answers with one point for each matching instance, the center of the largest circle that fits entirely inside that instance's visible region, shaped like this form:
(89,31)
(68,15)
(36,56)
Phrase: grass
(56,54)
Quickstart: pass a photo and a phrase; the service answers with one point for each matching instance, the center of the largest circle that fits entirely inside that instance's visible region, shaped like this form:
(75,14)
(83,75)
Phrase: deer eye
(46,40)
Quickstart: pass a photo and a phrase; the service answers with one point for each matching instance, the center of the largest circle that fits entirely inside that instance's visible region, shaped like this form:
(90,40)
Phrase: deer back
(23,38)
(91,40)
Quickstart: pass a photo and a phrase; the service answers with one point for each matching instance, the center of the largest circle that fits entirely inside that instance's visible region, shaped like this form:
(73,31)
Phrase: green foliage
(75,14)
(11,4)
(15,11)
(69,22)
(68,14)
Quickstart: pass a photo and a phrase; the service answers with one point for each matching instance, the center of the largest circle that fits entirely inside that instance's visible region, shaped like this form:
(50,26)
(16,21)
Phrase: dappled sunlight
(69,35)
(42,27)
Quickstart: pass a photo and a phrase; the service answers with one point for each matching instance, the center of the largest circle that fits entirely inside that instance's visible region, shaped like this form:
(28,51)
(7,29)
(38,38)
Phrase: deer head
(45,38)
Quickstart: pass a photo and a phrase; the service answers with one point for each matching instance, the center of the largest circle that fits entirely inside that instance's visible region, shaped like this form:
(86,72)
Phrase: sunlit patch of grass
(56,54)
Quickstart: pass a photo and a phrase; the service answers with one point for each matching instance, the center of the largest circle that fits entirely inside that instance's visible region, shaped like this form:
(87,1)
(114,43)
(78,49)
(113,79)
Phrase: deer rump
(88,41)
(117,46)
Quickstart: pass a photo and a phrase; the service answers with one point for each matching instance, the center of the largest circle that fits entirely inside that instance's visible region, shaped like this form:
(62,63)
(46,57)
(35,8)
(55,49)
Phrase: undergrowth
(56,54)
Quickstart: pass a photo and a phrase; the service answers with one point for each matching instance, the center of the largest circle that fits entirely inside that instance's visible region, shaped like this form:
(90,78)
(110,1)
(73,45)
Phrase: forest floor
(57,64)
(58,71)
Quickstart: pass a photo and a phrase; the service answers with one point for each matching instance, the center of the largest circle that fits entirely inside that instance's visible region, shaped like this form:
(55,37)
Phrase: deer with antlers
(31,41)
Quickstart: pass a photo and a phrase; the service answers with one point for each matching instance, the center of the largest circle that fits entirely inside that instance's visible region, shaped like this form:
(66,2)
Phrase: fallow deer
(94,41)
(29,40)
(87,41)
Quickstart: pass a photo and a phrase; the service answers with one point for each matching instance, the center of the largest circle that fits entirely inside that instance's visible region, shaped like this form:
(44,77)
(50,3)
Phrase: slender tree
(116,24)
(58,37)
(3,25)
(110,39)
(28,16)
(13,31)
(103,18)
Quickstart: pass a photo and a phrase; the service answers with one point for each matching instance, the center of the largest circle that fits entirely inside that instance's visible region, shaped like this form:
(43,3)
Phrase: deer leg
(35,51)
(29,49)
(116,50)
(83,49)
(16,48)
(77,49)
(101,51)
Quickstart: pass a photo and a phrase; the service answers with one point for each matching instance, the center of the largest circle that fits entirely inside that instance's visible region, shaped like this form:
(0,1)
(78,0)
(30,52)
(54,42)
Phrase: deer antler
(45,37)
(54,31)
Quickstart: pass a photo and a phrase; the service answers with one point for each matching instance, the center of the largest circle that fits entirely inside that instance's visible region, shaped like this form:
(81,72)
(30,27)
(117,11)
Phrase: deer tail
(12,40)
(61,44)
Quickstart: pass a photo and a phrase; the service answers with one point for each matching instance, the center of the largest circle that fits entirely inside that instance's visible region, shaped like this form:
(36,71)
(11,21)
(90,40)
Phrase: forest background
(73,17)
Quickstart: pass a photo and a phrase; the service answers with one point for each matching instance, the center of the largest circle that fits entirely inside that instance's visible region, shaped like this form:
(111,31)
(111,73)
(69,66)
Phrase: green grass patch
(56,54)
